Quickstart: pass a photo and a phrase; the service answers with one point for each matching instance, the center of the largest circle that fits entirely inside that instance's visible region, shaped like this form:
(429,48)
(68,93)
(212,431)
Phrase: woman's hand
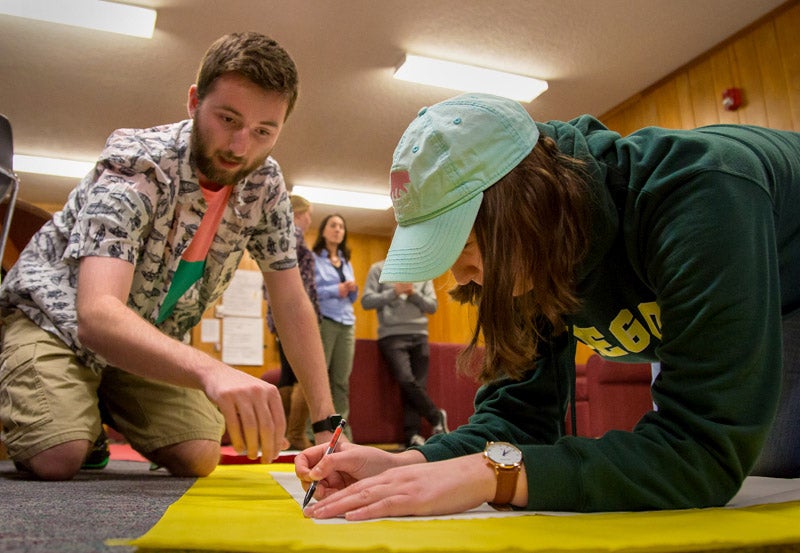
(347,287)
(421,488)
(348,464)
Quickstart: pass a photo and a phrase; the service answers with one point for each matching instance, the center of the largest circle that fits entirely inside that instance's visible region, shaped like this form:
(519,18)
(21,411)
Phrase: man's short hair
(255,56)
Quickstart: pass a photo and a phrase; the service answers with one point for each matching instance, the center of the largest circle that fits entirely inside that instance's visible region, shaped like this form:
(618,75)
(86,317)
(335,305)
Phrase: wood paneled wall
(762,60)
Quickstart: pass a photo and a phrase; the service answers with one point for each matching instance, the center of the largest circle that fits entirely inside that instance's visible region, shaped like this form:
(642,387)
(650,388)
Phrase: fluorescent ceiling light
(52,166)
(90,14)
(469,78)
(344,198)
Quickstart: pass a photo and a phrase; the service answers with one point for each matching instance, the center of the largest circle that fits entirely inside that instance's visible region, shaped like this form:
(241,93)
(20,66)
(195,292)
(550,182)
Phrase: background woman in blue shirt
(337,291)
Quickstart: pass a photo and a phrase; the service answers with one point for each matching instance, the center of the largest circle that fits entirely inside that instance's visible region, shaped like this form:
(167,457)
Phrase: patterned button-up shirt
(143,203)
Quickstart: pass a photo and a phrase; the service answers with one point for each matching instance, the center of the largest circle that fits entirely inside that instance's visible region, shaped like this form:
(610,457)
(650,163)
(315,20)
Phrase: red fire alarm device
(732,99)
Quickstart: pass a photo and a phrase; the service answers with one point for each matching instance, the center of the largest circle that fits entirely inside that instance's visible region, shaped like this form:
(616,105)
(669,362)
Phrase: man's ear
(193,101)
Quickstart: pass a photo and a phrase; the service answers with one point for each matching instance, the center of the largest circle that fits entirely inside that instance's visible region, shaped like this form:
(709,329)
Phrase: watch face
(333,422)
(328,424)
(503,453)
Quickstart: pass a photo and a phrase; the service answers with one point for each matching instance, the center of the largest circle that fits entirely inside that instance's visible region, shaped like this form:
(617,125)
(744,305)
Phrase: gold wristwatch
(506,459)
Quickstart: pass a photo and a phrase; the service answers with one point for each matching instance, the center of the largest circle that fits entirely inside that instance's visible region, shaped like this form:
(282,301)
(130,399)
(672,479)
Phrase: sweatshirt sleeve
(525,412)
(715,274)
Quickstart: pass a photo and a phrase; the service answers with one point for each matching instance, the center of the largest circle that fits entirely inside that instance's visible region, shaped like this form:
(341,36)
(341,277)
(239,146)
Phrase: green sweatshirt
(695,258)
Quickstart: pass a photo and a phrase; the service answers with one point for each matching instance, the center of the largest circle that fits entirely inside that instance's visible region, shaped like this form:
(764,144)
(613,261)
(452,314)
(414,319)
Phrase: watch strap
(328,424)
(506,487)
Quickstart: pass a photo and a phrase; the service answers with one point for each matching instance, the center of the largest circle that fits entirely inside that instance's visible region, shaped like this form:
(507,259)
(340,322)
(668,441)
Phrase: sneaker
(441,428)
(99,453)
(416,439)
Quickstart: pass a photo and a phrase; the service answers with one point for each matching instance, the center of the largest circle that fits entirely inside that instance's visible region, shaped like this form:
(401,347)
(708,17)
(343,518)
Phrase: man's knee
(61,462)
(192,458)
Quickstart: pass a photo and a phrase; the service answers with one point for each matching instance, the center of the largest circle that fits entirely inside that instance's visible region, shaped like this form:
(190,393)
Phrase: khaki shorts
(47,397)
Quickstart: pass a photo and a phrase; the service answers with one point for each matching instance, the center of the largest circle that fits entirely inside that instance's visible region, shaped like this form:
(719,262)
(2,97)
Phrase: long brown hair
(532,228)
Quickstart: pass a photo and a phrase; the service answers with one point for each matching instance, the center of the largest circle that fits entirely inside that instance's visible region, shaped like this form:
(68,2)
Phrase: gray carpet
(124,500)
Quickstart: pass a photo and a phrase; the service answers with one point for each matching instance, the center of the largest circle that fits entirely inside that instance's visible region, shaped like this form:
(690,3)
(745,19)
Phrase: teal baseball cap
(446,158)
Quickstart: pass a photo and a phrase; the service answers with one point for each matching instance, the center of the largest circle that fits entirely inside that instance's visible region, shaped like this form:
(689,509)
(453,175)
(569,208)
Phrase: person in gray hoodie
(403,341)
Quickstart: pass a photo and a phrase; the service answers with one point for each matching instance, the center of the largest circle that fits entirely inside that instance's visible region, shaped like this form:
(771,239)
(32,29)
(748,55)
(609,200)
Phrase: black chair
(9,183)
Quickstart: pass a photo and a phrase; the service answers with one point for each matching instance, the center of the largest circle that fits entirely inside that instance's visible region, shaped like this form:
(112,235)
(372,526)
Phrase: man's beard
(204,162)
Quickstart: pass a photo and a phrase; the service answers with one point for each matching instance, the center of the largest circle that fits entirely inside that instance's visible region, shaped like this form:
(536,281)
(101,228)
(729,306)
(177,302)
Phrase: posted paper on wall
(243,297)
(209,331)
(242,341)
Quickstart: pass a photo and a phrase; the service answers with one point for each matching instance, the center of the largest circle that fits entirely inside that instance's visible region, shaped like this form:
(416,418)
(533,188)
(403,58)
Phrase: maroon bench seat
(376,409)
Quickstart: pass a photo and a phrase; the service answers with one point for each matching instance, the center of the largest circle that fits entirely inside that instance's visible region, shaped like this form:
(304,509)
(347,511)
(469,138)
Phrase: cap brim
(425,250)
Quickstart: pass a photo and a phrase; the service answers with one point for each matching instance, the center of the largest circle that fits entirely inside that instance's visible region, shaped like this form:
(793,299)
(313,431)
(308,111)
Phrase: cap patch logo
(399,180)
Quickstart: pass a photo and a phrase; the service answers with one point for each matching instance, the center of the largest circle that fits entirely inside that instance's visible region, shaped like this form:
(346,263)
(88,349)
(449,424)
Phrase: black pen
(331,447)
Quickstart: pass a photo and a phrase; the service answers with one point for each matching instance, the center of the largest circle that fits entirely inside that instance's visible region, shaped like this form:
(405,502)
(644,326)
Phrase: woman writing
(681,247)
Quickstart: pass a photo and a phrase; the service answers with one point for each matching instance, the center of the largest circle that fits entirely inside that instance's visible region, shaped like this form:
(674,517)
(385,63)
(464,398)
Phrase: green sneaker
(98,454)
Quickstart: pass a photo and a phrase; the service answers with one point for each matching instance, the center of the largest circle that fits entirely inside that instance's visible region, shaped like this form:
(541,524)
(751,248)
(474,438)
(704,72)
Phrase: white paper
(759,490)
(209,331)
(244,296)
(756,490)
(243,341)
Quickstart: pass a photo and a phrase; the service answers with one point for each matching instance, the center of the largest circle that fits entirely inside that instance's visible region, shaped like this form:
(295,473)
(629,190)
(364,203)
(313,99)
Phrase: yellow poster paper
(242,508)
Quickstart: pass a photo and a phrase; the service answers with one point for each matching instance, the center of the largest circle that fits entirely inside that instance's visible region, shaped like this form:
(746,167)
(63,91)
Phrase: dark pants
(407,356)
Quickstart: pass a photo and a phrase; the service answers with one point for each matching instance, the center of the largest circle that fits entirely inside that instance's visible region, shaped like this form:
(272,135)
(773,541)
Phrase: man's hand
(253,412)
